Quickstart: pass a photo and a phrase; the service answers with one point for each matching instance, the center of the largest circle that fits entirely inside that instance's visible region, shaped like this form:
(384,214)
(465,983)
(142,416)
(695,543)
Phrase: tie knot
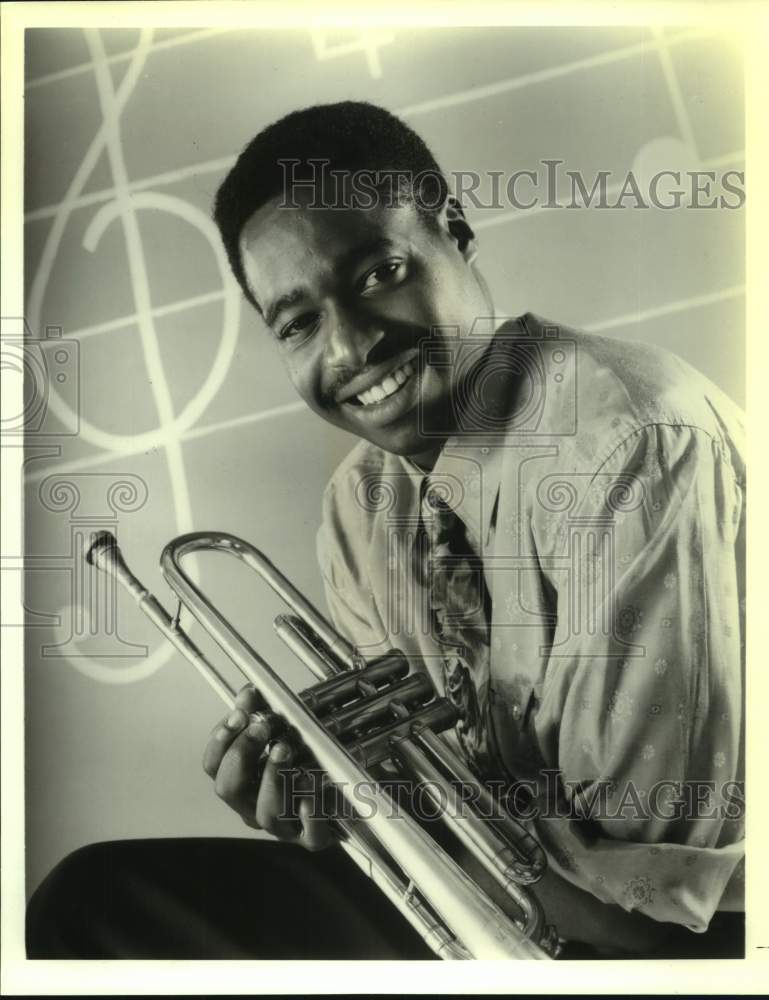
(440,494)
(435,500)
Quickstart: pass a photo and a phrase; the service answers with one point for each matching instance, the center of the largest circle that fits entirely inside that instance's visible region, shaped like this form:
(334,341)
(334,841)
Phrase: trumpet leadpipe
(104,554)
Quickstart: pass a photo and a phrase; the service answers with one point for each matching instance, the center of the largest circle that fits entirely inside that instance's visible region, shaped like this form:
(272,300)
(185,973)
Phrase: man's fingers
(274,805)
(221,738)
(317,831)
(248,701)
(262,727)
(237,786)
(238,772)
(259,781)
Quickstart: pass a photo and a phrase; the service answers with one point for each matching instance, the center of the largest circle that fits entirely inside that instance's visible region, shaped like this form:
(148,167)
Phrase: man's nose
(351,338)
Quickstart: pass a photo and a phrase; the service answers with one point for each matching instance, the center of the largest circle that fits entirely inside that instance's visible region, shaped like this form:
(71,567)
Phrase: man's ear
(452,220)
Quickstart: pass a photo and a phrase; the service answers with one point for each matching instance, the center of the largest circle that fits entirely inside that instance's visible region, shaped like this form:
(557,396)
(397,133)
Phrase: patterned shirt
(604,490)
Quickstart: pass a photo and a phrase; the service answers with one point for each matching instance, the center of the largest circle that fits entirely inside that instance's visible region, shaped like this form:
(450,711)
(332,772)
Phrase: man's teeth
(389,384)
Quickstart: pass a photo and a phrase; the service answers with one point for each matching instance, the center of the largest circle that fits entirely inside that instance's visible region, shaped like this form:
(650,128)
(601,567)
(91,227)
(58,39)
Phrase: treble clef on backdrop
(124,208)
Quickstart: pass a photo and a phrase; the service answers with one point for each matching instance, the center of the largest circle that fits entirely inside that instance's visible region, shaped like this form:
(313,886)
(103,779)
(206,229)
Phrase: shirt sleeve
(642,705)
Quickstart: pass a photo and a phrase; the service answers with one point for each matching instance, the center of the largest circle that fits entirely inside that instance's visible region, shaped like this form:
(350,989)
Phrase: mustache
(397,339)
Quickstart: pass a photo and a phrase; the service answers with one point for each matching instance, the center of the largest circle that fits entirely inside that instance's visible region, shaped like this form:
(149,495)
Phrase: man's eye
(391,272)
(301,325)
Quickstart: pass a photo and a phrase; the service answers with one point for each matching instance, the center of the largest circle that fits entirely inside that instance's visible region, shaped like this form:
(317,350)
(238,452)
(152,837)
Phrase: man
(550,524)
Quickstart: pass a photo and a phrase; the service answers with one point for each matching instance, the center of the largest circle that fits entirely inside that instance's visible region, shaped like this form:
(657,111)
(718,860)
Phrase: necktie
(460,608)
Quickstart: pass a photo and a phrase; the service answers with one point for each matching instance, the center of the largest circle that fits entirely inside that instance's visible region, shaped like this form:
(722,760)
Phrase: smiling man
(550,524)
(350,293)
(387,329)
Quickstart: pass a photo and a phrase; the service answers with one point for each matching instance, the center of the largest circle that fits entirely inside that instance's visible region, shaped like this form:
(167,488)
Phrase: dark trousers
(248,899)
(214,899)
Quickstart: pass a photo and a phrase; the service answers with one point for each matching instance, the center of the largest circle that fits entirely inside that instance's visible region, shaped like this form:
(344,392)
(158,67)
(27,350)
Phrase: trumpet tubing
(359,715)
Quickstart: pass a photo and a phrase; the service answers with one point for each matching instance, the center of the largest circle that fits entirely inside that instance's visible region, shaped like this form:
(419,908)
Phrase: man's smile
(385,392)
(375,379)
(389,384)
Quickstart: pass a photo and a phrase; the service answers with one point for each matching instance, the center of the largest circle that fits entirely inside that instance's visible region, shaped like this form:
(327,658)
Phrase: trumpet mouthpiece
(101,543)
(104,555)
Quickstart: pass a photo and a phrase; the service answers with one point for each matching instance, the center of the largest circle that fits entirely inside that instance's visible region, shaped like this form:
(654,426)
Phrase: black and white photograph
(382,455)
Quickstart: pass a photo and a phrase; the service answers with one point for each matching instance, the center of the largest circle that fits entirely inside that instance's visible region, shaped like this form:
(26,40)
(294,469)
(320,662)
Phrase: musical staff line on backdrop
(117,57)
(549,73)
(130,319)
(669,309)
(92,461)
(450,100)
(674,90)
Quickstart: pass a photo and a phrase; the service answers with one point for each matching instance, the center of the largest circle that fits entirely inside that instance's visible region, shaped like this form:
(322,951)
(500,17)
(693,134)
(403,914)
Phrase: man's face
(348,295)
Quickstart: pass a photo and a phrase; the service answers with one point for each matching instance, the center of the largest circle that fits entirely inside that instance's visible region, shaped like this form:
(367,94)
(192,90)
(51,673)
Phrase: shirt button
(515,710)
(484,451)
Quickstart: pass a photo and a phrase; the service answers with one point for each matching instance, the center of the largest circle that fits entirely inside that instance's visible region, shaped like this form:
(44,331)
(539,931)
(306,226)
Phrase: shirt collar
(469,466)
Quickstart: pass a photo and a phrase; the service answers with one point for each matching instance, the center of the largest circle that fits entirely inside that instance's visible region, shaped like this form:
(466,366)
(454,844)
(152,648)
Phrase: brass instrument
(355,717)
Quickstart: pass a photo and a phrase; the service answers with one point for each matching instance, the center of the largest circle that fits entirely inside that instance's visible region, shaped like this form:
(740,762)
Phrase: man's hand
(249,755)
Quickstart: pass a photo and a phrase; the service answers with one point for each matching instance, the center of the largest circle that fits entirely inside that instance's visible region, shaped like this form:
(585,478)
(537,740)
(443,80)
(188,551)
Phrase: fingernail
(236,719)
(257,727)
(280,753)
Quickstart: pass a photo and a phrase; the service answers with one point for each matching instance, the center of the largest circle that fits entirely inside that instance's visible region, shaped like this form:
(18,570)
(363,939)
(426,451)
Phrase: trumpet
(356,716)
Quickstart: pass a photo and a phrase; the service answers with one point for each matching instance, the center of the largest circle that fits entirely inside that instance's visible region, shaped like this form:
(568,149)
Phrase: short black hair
(350,135)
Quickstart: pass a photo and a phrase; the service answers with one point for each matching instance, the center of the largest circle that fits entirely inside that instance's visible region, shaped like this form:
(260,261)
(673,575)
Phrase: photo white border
(749,976)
